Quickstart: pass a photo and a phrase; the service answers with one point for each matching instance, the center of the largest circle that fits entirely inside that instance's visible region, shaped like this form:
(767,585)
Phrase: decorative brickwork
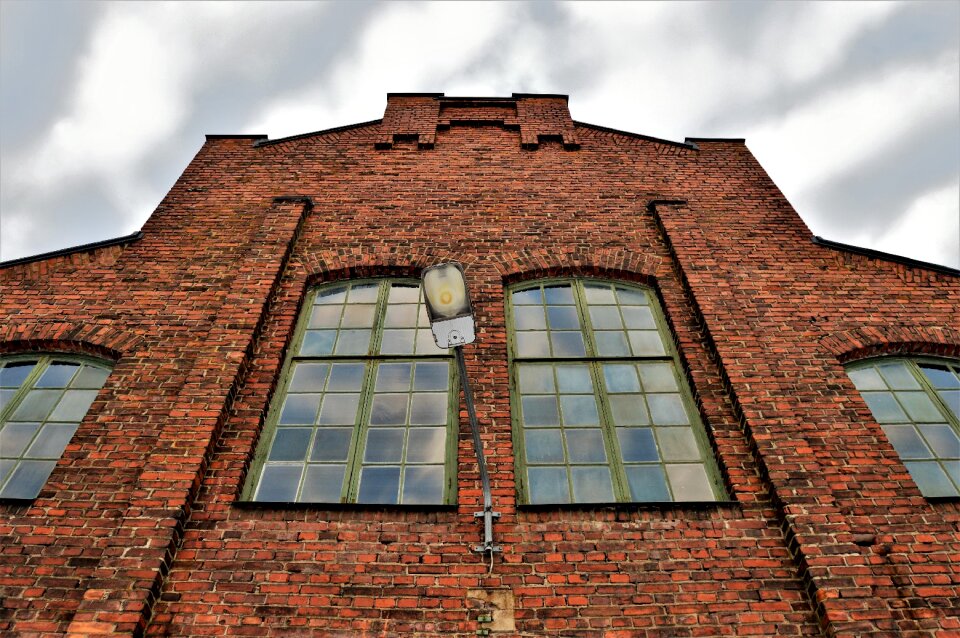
(141,531)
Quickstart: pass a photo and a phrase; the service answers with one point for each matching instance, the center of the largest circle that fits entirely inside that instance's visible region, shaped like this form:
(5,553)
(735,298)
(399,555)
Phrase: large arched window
(366,409)
(43,399)
(601,412)
(917,403)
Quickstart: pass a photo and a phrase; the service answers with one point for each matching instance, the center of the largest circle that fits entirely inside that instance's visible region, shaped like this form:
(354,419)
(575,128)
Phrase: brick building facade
(815,516)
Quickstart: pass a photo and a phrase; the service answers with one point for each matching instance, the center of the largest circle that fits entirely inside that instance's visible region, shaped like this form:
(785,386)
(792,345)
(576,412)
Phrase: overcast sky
(853,108)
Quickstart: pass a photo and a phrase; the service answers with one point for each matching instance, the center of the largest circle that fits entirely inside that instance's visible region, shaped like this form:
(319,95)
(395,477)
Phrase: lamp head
(448,305)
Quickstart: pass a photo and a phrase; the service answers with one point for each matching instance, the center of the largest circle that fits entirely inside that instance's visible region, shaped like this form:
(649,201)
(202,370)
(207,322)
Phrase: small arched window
(43,399)
(917,403)
(366,408)
(601,412)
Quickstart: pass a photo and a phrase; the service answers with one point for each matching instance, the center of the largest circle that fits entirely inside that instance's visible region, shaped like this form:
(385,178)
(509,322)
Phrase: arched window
(917,402)
(600,410)
(43,399)
(367,405)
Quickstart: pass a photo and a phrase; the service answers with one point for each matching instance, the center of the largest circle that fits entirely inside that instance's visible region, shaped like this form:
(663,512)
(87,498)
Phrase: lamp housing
(448,305)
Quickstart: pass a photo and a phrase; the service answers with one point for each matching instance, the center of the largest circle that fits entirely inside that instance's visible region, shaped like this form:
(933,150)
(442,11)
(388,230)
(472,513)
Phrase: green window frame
(917,403)
(366,409)
(600,410)
(43,399)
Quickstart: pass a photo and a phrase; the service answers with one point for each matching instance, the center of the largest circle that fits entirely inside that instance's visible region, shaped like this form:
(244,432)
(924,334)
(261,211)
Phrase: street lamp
(451,319)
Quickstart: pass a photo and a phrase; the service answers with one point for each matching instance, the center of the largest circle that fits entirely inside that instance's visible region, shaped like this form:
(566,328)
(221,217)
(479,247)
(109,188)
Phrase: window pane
(585,446)
(404,294)
(27,479)
(358,316)
(621,378)
(379,485)
(353,342)
(331,444)
(579,410)
(300,408)
(363,293)
(591,484)
(931,479)
(631,297)
(689,482)
(943,439)
(605,318)
(548,485)
(6,396)
(952,399)
(5,466)
(428,409)
(74,405)
(401,317)
(543,446)
(36,406)
(432,376)
(339,409)
(611,344)
(906,440)
(426,344)
(940,377)
(527,297)
(567,344)
(14,438)
(574,379)
(540,411)
(629,409)
(639,318)
(646,343)
(325,316)
(678,444)
(279,483)
(389,409)
(898,376)
(322,484)
(647,483)
(529,318)
(426,445)
(384,445)
(919,407)
(423,485)
(346,377)
(12,375)
(397,341)
(51,441)
(658,377)
(308,377)
(331,296)
(867,379)
(637,445)
(558,295)
(536,379)
(563,318)
(667,409)
(598,294)
(393,377)
(318,342)
(884,408)
(57,375)
(290,444)
(532,344)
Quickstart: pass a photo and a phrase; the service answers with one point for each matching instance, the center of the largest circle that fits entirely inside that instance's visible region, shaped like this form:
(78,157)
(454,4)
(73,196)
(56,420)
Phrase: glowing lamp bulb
(446,291)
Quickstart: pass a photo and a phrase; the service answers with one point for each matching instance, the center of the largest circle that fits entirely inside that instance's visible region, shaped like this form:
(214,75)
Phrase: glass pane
(290,444)
(605,318)
(637,445)
(404,294)
(358,316)
(6,396)
(611,344)
(563,318)
(323,484)
(953,471)
(540,411)
(428,409)
(27,479)
(629,409)
(567,344)
(389,409)
(5,466)
(599,294)
(345,377)
(393,377)
(300,408)
(37,405)
(331,444)
(906,440)
(74,405)
(308,376)
(422,318)
(548,485)
(884,408)
(57,375)
(678,444)
(591,484)
(384,445)
(353,342)
(432,376)
(943,439)
(397,341)
(339,409)
(558,295)
(536,379)
(52,440)
(423,485)
(585,446)
(898,376)
(532,344)
(631,297)
(574,379)
(318,342)
(952,399)
(543,446)
(379,485)
(14,438)
(931,479)
(646,343)
(426,445)
(639,318)
(401,317)
(919,406)
(579,410)
(527,297)
(331,296)
(621,378)
(940,377)
(279,483)
(365,293)
(90,377)
(867,379)
(658,377)
(647,484)
(667,409)
(689,482)
(426,344)
(13,375)
(325,316)
(529,318)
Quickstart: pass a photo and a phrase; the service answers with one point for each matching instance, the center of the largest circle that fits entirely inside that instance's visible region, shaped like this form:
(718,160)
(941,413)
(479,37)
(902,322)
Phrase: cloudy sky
(853,108)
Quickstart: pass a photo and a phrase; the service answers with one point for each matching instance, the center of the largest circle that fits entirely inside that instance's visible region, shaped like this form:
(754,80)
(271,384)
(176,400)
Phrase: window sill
(339,507)
(657,506)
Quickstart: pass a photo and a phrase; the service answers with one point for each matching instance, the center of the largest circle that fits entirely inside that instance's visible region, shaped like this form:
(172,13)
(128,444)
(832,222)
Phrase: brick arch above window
(618,263)
(872,341)
(371,261)
(101,341)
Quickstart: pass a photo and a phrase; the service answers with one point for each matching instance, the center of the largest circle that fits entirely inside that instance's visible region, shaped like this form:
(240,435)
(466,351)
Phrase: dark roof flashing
(877,254)
(231,136)
(106,243)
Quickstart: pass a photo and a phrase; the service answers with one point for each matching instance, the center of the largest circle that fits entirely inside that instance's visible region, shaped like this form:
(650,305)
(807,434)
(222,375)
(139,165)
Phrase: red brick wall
(138,529)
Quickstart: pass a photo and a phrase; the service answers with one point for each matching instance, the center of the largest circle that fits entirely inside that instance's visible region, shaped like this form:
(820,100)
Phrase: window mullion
(621,488)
